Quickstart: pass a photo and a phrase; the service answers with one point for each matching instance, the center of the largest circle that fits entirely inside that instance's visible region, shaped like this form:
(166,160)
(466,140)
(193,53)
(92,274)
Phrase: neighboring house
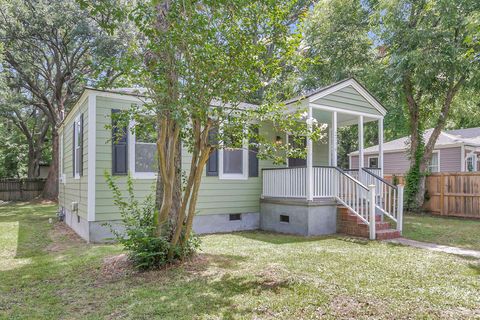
(455,151)
(238,191)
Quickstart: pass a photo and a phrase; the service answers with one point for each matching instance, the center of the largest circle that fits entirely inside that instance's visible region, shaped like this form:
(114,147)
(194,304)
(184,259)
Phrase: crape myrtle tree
(52,49)
(201,60)
(431,52)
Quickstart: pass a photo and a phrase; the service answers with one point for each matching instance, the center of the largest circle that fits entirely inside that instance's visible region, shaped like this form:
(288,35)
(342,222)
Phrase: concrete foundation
(293,216)
(299,216)
(100,231)
(214,223)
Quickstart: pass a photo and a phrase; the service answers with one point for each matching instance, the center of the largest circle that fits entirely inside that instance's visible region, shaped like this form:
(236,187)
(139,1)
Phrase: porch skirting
(299,216)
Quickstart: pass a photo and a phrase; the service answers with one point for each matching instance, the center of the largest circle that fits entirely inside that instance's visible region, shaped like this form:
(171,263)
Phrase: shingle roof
(445,138)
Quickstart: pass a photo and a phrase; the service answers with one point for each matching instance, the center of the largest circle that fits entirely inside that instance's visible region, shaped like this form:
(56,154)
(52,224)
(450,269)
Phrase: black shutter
(81,146)
(73,148)
(119,147)
(252,158)
(212,164)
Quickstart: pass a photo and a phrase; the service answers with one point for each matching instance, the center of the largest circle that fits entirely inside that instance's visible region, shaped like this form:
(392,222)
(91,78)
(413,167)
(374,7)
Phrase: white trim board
(92,163)
(356,85)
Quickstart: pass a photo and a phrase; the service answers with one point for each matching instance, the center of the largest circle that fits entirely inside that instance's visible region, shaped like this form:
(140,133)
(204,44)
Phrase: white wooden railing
(285,182)
(347,187)
(359,198)
(328,182)
(389,198)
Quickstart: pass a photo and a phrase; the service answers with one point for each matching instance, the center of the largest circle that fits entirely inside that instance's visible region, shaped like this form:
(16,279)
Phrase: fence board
(451,193)
(20,189)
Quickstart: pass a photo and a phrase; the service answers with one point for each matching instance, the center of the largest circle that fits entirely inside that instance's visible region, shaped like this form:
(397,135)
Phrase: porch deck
(363,192)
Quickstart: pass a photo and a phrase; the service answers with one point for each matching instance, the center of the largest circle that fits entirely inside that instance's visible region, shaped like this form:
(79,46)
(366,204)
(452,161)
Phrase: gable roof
(324,91)
(446,138)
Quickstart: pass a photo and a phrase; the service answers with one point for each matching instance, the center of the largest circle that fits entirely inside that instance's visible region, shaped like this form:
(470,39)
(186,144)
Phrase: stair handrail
(358,198)
(389,200)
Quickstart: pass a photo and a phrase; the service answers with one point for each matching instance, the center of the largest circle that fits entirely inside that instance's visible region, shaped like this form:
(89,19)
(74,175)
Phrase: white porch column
(334,140)
(361,163)
(380,145)
(309,178)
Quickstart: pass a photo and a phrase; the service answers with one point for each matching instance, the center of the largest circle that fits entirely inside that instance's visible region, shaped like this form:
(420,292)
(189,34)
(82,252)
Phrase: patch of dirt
(63,238)
(116,267)
(344,307)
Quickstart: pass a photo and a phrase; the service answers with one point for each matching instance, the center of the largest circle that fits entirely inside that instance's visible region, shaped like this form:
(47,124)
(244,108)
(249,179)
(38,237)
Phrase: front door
(297,162)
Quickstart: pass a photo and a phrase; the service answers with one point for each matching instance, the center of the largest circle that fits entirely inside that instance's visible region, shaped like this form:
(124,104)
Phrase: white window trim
(475,159)
(373,157)
(61,160)
(439,163)
(233,176)
(75,138)
(132,142)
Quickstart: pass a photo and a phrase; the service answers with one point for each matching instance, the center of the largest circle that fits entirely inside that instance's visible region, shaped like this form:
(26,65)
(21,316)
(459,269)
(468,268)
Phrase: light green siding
(215,196)
(104,206)
(348,98)
(74,190)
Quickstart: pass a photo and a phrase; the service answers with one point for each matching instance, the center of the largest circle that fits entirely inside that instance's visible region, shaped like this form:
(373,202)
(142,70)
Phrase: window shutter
(73,149)
(81,146)
(119,148)
(212,164)
(252,158)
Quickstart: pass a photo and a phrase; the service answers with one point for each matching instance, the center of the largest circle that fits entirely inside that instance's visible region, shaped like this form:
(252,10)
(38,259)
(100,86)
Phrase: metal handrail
(367,170)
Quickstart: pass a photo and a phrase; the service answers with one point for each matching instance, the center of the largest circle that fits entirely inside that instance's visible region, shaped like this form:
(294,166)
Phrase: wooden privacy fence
(20,189)
(451,193)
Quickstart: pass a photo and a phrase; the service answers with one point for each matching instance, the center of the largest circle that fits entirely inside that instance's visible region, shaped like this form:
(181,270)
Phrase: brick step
(387,234)
(355,218)
(351,224)
(379,225)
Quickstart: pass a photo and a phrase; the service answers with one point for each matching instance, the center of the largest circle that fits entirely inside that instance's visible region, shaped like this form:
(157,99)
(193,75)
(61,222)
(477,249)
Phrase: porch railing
(285,182)
(389,198)
(380,197)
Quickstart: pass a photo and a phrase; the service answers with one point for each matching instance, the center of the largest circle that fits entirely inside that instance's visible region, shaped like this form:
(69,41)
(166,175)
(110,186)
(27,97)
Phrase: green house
(309,196)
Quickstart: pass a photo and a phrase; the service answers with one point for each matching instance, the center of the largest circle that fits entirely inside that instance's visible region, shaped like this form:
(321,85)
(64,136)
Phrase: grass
(47,273)
(455,232)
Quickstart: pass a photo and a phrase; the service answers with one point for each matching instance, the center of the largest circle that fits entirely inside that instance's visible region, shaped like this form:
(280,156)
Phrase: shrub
(138,238)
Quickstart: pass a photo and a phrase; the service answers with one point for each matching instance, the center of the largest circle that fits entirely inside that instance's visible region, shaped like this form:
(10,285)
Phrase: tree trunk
(33,166)
(177,192)
(50,191)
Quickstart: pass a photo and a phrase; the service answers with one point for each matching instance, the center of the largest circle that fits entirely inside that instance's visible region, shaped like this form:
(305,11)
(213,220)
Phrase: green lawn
(448,231)
(46,273)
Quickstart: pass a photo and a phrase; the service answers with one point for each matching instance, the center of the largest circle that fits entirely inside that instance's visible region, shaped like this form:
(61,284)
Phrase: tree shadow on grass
(193,295)
(281,238)
(32,227)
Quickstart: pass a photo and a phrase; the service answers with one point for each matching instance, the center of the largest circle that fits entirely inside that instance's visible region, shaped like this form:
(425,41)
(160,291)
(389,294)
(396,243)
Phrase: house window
(435,162)
(77,147)
(373,162)
(145,150)
(233,159)
(472,163)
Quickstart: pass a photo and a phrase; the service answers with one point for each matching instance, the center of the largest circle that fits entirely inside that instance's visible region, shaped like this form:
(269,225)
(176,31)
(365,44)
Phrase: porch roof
(346,97)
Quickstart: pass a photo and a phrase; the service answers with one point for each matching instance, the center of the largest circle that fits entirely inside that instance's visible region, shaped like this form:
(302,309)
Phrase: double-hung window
(472,163)
(145,161)
(77,146)
(435,162)
(233,158)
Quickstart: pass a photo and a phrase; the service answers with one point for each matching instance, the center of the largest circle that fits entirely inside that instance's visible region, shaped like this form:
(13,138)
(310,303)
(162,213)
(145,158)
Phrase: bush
(144,248)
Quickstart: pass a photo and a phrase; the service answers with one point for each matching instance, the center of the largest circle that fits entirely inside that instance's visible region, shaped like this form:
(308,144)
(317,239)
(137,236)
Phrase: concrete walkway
(436,247)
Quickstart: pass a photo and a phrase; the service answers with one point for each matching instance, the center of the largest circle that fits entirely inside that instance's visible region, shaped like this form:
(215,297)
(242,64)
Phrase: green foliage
(13,163)
(412,180)
(145,249)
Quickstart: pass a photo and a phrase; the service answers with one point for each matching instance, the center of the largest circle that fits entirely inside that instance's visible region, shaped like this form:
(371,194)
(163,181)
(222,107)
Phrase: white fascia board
(352,82)
(92,163)
(344,111)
